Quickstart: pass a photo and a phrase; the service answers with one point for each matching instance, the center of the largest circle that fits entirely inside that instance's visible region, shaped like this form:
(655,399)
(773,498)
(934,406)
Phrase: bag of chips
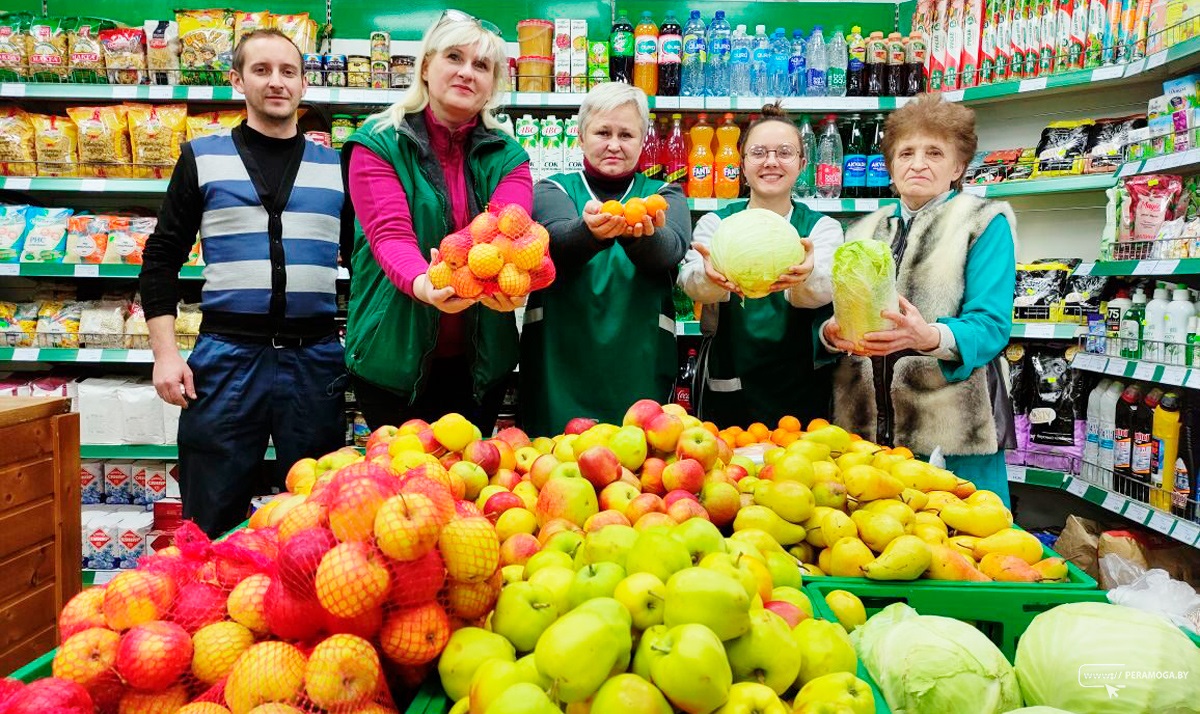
(56,144)
(87,239)
(48,60)
(210,123)
(103,141)
(155,133)
(206,46)
(14,47)
(16,143)
(162,51)
(1061,150)
(85,54)
(12,232)
(45,235)
(124,55)
(127,239)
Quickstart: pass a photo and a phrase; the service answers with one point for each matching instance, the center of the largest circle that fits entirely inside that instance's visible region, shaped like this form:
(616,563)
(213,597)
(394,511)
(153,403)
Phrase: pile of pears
(846,507)
(670,618)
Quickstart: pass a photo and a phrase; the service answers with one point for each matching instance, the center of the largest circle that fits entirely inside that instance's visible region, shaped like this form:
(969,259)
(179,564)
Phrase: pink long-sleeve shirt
(381,205)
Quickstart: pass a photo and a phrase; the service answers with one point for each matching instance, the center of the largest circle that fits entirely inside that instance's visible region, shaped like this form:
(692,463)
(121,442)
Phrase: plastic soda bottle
(728,167)
(649,164)
(670,56)
(620,67)
(700,160)
(645,55)
(674,153)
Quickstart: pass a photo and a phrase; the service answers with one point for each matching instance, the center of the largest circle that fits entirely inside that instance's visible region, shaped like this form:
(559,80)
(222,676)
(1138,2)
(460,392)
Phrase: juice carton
(1097,32)
(597,55)
(572,149)
(156,483)
(579,37)
(579,72)
(972,28)
(528,135)
(1016,65)
(562,37)
(937,47)
(118,482)
(137,490)
(551,129)
(91,482)
(562,72)
(987,43)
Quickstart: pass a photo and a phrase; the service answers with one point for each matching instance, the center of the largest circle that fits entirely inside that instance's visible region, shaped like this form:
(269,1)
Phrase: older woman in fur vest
(935,380)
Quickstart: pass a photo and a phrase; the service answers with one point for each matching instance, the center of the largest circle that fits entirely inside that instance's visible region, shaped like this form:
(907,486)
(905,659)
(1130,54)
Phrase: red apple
(450,458)
(722,501)
(154,655)
(50,695)
(641,412)
(789,612)
(643,504)
(376,452)
(553,526)
(630,478)
(663,430)
(539,473)
(299,557)
(652,520)
(679,494)
(684,474)
(483,453)
(599,465)
(430,442)
(724,451)
(518,548)
(291,616)
(719,475)
(508,457)
(382,435)
(578,425)
(499,503)
(412,426)
(506,478)
(697,443)
(514,437)
(617,496)
(604,518)
(685,509)
(736,472)
(473,476)
(651,478)
(563,497)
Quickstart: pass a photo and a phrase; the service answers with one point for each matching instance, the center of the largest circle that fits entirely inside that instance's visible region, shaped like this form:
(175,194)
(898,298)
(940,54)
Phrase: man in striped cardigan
(269,208)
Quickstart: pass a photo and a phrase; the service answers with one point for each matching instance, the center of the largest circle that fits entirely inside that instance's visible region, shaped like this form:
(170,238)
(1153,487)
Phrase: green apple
(643,594)
(753,698)
(565,541)
(522,613)
(510,574)
(616,617)
(564,450)
(598,435)
(736,548)
(784,571)
(767,654)
(610,544)
(629,444)
(825,648)
(468,648)
(545,558)
(840,692)
(557,580)
(692,670)
(523,698)
(657,552)
(529,672)
(794,596)
(492,679)
(710,598)
(731,566)
(629,694)
(594,580)
(578,653)
(700,537)
(747,463)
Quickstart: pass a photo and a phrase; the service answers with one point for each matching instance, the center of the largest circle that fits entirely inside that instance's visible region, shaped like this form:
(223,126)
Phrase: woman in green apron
(603,335)
(757,361)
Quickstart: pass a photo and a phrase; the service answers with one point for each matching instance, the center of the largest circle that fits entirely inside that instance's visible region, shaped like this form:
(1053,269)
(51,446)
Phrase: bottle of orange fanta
(700,160)
(728,167)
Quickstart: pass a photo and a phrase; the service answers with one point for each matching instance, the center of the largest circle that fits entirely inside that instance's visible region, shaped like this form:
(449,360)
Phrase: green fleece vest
(759,364)
(600,338)
(390,336)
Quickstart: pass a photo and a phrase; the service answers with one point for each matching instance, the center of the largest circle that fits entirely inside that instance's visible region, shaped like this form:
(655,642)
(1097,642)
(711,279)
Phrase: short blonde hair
(610,96)
(444,34)
(930,114)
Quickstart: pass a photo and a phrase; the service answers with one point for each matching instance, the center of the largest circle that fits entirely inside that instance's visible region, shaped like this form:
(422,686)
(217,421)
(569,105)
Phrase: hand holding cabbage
(757,252)
(864,285)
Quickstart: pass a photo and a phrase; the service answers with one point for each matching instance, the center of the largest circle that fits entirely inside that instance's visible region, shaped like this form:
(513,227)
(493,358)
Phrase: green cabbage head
(925,664)
(864,285)
(1097,658)
(753,248)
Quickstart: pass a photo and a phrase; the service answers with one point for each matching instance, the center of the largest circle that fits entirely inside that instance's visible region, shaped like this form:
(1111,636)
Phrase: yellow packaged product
(103,141)
(18,324)
(187,325)
(209,123)
(87,239)
(299,29)
(206,46)
(56,144)
(155,133)
(16,143)
(14,47)
(246,22)
(137,333)
(124,54)
(84,51)
(58,324)
(48,50)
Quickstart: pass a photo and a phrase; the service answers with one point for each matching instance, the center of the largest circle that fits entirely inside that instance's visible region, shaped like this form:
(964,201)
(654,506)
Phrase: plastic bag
(162,51)
(155,133)
(87,239)
(102,324)
(14,47)
(210,123)
(127,239)
(103,141)
(124,55)
(1061,149)
(48,61)
(1106,143)
(206,46)
(1039,290)
(56,142)
(12,232)
(84,50)
(1152,590)
(864,285)
(16,143)
(45,235)
(1152,203)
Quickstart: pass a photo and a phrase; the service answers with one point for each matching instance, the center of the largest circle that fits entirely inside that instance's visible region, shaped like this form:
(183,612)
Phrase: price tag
(829,205)
(201,93)
(975,190)
(1158,163)
(161,92)
(1115,366)
(1103,73)
(1167,267)
(1136,513)
(1157,59)
(317,94)
(1161,522)
(667,102)
(1173,375)
(1144,371)
(1043,331)
(87,271)
(1016,474)
(691,102)
(1129,169)
(1113,502)
(1186,532)
(92,185)
(705,204)
(139,356)
(1145,267)
(25,354)
(718,103)
(1089,363)
(10,269)
(1084,269)
(1032,85)
(866,205)
(17,184)
(12,89)
(124,91)
(88,355)
(1193,379)
(955,96)
(1135,67)
(1078,487)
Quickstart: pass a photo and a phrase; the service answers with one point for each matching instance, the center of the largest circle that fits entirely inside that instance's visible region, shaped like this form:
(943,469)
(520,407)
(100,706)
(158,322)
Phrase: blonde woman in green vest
(757,360)
(603,335)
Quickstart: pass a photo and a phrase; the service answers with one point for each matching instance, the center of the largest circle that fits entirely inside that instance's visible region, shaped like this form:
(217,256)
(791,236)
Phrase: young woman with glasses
(757,360)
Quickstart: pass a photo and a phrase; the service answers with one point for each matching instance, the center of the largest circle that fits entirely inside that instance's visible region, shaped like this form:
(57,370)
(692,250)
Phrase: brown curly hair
(930,114)
(771,112)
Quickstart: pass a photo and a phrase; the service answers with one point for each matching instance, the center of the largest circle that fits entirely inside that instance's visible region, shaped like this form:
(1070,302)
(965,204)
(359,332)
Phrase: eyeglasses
(784,153)
(460,16)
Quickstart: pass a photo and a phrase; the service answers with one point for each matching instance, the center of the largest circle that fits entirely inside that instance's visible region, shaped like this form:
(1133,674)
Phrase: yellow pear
(876,529)
(930,519)
(759,539)
(886,461)
(905,558)
(847,608)
(824,560)
(1052,570)
(980,497)
(896,509)
(982,520)
(808,570)
(1011,541)
(825,471)
(765,519)
(825,528)
(914,499)
(923,476)
(835,437)
(938,500)
(847,558)
(929,534)
(791,500)
(948,564)
(853,458)
(802,552)
(811,450)
(1008,569)
(865,447)
(963,544)
(867,483)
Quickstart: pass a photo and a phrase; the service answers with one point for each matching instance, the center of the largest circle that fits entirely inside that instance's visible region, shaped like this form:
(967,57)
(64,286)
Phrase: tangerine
(817,424)
(902,451)
(655,203)
(711,428)
(745,439)
(613,207)
(789,423)
(759,430)
(635,211)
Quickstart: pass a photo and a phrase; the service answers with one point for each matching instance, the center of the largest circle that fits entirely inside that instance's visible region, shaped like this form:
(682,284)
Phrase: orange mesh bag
(81,612)
(417,582)
(290,615)
(352,579)
(135,597)
(407,525)
(472,602)
(353,498)
(299,557)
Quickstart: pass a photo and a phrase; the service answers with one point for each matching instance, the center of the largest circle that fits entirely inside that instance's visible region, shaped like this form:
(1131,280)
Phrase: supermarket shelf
(1182,162)
(78,356)
(84,185)
(139,451)
(61,270)
(1168,524)
(1185,266)
(810,105)
(824,205)
(1173,375)
(1046,330)
(1031,187)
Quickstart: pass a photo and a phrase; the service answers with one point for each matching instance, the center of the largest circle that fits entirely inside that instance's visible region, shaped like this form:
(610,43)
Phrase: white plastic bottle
(829,160)
(1091,446)
(1108,428)
(1156,320)
(817,65)
(1175,327)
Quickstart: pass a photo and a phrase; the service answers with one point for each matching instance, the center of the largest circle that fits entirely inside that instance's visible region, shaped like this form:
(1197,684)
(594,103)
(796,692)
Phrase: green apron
(598,339)
(759,363)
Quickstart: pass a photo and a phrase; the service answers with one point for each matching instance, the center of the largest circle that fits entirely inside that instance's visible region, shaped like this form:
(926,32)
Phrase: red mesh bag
(199,604)
(513,220)
(470,549)
(154,656)
(415,635)
(135,597)
(292,616)
(417,582)
(472,601)
(54,695)
(84,610)
(89,658)
(299,558)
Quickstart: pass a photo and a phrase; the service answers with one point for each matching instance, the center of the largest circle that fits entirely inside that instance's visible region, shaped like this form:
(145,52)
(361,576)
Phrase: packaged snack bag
(1061,149)
(56,144)
(103,141)
(206,42)
(162,51)
(12,232)
(48,61)
(124,55)
(45,235)
(85,55)
(14,47)
(16,143)
(213,123)
(87,239)
(155,133)
(127,239)
(247,22)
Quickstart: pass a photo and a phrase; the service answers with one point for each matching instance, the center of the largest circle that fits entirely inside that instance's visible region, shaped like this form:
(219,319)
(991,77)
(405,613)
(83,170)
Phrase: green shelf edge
(140,451)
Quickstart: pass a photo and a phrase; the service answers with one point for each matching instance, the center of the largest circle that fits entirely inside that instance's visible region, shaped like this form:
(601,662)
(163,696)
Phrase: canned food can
(402,71)
(358,71)
(335,70)
(381,71)
(314,69)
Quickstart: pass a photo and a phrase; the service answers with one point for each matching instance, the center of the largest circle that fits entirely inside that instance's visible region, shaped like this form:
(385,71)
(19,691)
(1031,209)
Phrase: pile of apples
(502,250)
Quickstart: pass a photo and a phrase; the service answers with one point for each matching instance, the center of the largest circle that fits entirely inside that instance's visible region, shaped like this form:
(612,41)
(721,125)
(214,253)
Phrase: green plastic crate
(1001,613)
(40,668)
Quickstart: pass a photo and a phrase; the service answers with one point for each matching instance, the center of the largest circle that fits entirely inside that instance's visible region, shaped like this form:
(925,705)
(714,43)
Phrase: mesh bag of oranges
(636,209)
(501,251)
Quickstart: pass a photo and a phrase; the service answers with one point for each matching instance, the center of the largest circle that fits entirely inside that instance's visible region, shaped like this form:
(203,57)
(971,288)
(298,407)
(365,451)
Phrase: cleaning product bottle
(1166,451)
(1155,324)
(1193,348)
(1184,503)
(700,160)
(1091,445)
(1113,313)
(1142,463)
(1133,323)
(1108,427)
(1127,408)
(1175,326)
(727,170)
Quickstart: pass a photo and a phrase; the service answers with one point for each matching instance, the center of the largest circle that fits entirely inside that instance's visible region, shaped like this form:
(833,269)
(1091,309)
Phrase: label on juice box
(572,149)
(552,145)
(528,135)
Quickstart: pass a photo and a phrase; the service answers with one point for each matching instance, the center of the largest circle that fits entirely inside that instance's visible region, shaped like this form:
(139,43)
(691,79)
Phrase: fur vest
(904,398)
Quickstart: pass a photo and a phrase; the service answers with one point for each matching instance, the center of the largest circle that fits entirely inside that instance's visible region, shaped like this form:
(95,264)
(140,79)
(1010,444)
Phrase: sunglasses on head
(460,16)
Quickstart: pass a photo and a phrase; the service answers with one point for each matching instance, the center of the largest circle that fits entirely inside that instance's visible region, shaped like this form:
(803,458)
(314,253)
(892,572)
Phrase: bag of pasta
(137,332)
(155,133)
(85,55)
(48,50)
(210,123)
(127,239)
(300,29)
(124,55)
(58,324)
(187,325)
(16,143)
(14,47)
(206,46)
(246,22)
(103,141)
(162,51)
(56,144)
(12,232)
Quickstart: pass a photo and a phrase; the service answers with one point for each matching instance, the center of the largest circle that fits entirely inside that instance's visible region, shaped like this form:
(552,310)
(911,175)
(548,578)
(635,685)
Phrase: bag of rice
(16,143)
(56,145)
(103,141)
(87,239)
(12,231)
(162,51)
(48,50)
(155,133)
(124,55)
(137,333)
(102,324)
(45,235)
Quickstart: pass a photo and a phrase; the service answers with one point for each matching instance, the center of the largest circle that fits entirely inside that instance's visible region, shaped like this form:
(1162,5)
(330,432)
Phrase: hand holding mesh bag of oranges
(636,218)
